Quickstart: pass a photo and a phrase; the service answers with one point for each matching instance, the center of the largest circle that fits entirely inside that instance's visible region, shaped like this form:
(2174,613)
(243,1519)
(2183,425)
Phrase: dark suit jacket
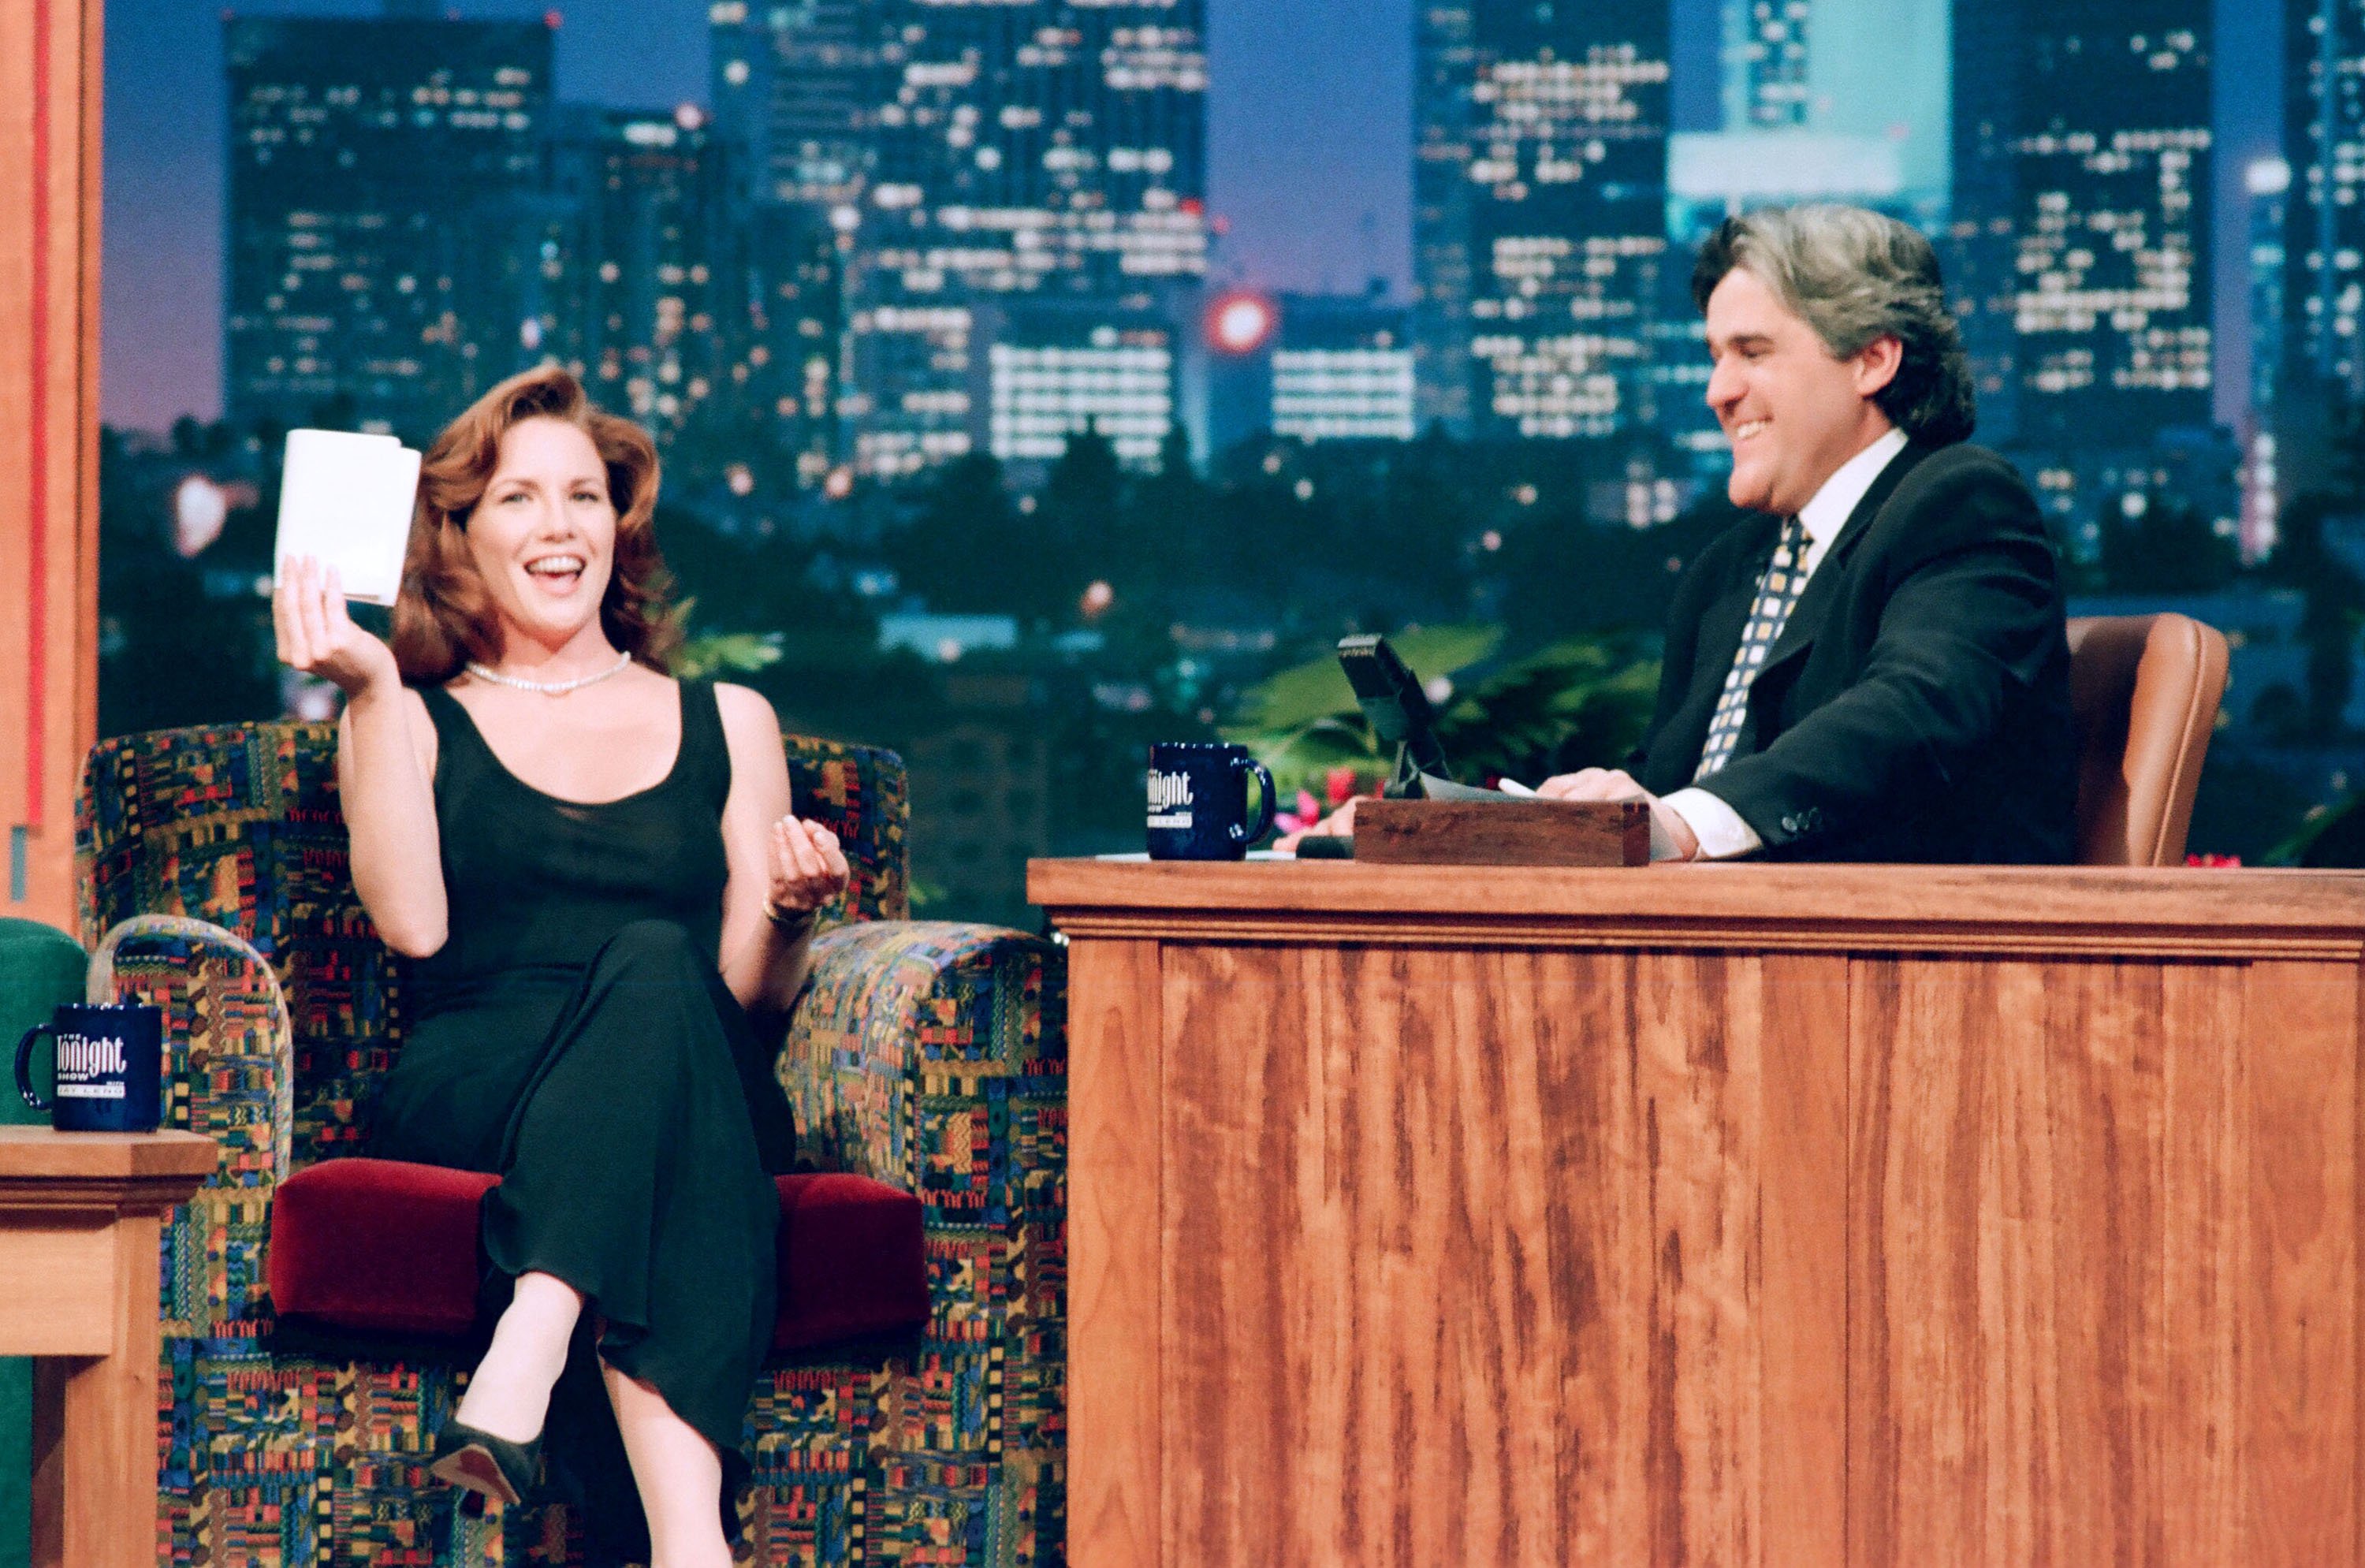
(1916,706)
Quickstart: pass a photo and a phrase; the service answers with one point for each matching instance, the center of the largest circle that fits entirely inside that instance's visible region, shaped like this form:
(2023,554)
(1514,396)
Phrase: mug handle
(24,1067)
(1264,816)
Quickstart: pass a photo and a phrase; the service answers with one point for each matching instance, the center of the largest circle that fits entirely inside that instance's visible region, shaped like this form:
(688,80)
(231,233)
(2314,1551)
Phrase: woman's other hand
(315,634)
(808,869)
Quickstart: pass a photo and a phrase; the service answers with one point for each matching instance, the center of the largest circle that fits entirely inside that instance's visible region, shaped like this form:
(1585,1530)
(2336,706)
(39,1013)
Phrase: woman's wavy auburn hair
(443,617)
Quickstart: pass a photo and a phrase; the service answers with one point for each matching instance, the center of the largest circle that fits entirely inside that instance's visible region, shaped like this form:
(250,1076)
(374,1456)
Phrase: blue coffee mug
(1199,801)
(110,1067)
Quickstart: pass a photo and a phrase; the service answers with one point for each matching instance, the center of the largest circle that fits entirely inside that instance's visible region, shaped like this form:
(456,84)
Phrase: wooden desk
(79,1215)
(1732,1214)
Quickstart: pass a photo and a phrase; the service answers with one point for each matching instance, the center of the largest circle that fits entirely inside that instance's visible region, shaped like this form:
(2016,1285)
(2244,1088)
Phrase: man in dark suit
(1873,666)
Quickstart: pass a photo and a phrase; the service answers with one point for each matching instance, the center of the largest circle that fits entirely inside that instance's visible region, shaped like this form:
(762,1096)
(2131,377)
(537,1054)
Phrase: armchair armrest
(919,1047)
(934,1057)
(229,1074)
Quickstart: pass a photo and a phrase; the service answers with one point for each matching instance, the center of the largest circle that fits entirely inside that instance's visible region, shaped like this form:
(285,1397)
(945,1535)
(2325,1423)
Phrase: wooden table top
(30,1156)
(2315,915)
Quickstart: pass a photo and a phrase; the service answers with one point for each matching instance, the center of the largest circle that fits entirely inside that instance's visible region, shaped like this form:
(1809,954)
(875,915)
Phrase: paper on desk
(345,498)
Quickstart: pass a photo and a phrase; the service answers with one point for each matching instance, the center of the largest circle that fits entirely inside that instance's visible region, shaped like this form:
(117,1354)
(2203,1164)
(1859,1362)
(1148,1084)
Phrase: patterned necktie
(1777,592)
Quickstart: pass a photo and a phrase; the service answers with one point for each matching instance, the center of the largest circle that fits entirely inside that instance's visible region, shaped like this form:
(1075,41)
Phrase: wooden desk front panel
(1517,1255)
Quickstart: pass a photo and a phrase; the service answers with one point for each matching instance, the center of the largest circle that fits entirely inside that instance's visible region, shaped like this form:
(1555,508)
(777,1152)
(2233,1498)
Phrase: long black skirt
(631,1113)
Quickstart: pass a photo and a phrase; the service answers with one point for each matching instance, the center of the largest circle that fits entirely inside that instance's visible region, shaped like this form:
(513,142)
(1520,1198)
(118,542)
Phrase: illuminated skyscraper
(2324,119)
(1342,370)
(1823,101)
(1539,194)
(1310,367)
(978,154)
(654,247)
(2084,158)
(796,84)
(1765,61)
(2267,182)
(1056,372)
(374,167)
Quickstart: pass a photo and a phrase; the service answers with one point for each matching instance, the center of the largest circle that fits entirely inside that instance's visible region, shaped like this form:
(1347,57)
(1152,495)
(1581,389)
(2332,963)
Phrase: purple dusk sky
(1308,128)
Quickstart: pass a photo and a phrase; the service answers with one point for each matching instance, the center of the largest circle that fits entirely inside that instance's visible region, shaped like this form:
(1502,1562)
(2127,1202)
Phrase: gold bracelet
(795,921)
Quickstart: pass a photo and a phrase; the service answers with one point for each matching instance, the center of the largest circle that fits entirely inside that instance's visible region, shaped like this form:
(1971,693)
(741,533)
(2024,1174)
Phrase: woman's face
(543,535)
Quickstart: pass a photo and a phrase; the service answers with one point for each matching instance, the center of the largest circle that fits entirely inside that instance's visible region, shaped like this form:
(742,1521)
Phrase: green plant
(1580,702)
(716,653)
(2329,836)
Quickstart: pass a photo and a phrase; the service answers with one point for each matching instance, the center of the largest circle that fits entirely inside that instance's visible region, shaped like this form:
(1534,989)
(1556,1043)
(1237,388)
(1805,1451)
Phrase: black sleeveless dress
(574,1034)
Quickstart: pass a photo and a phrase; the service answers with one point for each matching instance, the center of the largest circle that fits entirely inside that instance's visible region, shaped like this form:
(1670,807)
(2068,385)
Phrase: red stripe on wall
(37,540)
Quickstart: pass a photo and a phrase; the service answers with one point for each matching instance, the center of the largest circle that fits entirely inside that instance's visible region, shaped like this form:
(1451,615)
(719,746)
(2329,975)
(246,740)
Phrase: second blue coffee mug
(1199,801)
(110,1067)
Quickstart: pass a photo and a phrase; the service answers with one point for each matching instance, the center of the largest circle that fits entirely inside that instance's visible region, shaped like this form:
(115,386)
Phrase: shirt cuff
(1722,833)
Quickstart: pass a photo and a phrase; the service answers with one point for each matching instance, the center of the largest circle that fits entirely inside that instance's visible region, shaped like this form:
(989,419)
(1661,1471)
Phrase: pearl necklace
(548,687)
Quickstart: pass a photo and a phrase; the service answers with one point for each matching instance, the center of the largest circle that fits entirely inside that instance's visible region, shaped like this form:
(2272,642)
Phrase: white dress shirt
(1722,833)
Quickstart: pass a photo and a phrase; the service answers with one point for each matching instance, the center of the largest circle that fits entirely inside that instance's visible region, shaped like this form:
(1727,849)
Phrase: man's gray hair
(1857,276)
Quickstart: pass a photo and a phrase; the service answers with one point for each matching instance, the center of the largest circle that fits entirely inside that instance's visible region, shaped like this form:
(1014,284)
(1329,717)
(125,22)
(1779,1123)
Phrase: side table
(79,1219)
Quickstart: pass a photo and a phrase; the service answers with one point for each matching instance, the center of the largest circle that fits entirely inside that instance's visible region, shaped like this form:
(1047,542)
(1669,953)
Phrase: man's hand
(1613,784)
(1340,824)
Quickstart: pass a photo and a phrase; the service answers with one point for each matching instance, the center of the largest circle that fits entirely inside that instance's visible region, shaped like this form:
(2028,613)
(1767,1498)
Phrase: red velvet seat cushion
(385,1246)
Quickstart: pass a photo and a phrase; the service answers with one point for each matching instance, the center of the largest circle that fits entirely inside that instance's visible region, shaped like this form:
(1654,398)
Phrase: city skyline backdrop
(1309,146)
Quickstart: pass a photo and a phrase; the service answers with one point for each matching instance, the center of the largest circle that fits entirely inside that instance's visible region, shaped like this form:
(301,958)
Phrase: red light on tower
(1241,322)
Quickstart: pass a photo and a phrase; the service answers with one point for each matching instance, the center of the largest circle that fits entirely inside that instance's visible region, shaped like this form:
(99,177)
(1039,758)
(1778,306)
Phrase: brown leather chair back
(2145,690)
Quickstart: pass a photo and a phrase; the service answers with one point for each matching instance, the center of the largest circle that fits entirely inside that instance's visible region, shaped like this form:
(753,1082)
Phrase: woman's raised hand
(316,635)
(808,868)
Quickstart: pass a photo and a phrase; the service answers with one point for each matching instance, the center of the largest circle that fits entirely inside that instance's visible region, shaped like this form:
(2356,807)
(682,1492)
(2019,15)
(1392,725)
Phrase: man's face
(1792,411)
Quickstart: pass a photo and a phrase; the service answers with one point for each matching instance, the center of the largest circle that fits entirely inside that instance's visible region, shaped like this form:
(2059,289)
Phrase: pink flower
(2213,862)
(1340,784)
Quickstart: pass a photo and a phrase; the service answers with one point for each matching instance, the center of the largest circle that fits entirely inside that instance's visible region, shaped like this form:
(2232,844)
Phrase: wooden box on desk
(1503,832)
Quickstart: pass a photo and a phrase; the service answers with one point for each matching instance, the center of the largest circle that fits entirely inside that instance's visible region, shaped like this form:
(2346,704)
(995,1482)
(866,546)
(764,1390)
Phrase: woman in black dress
(597,876)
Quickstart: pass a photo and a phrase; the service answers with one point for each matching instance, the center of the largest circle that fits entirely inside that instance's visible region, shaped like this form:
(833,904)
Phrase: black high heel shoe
(493,1467)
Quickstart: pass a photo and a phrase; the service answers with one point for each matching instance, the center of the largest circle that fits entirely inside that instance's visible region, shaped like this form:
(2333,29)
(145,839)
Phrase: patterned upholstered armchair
(926,1055)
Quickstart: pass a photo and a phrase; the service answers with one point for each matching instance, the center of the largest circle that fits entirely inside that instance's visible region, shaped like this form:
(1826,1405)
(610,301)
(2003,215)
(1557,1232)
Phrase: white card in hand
(345,499)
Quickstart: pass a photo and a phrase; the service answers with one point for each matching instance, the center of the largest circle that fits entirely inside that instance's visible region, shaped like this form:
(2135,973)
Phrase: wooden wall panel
(1803,1222)
(2300,1388)
(2105,1216)
(2207,1258)
(1696,1043)
(1653,1223)
(1115,1178)
(49,80)
(1421,1184)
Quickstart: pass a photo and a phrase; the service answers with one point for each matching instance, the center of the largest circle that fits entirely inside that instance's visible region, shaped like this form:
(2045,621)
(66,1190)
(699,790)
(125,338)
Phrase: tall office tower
(1342,370)
(1057,371)
(1765,59)
(786,296)
(2323,121)
(1823,101)
(657,243)
(2268,183)
(797,85)
(1981,275)
(1309,367)
(373,166)
(1540,225)
(980,156)
(2098,160)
